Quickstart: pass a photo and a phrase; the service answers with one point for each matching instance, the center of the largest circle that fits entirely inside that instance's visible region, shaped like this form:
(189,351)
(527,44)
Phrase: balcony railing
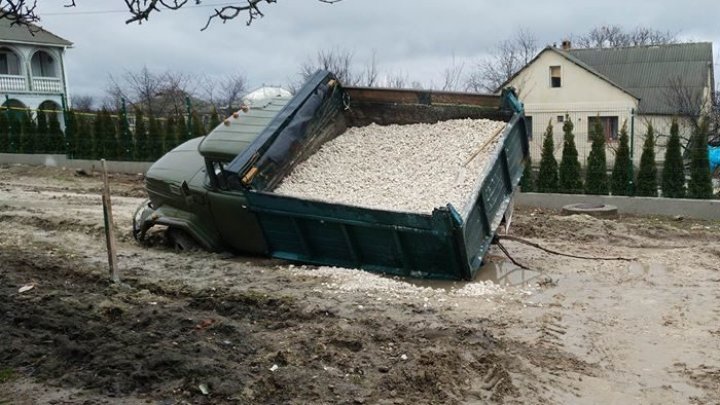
(13,83)
(46,85)
(39,84)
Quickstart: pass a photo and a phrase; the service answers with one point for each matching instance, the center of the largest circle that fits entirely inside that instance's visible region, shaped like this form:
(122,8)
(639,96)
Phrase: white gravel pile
(355,280)
(379,286)
(408,168)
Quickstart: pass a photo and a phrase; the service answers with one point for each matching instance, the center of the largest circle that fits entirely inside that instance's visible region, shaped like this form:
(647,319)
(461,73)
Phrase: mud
(255,330)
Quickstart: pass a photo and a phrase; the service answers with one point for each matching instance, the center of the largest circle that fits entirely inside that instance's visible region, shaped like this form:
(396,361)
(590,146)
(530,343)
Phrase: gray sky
(417,38)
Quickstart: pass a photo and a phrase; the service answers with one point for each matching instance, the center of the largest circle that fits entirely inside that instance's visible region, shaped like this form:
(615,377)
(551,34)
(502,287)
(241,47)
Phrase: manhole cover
(592,209)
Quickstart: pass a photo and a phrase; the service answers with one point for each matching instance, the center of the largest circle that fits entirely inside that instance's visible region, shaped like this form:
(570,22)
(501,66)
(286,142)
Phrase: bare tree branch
(452,76)
(613,36)
(336,60)
(23,12)
(508,58)
(370,72)
(19,12)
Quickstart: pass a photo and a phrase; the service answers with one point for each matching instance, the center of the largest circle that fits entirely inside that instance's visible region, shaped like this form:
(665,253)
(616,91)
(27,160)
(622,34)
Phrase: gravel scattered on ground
(355,280)
(408,168)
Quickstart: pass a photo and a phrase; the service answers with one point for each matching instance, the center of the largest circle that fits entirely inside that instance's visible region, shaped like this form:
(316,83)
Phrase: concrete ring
(596,210)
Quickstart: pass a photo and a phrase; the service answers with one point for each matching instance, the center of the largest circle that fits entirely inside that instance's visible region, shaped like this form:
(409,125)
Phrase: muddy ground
(207,328)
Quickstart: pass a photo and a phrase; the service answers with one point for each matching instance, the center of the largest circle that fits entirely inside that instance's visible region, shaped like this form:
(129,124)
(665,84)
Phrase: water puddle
(507,274)
(647,269)
(504,274)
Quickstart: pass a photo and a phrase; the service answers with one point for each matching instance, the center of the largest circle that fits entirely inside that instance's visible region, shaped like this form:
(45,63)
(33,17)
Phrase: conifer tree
(569,179)
(126,148)
(4,131)
(169,140)
(620,182)
(181,130)
(547,181)
(55,134)
(14,132)
(155,138)
(28,134)
(141,137)
(214,119)
(596,180)
(197,127)
(673,172)
(115,150)
(647,175)
(42,135)
(84,140)
(70,133)
(700,184)
(98,135)
(527,182)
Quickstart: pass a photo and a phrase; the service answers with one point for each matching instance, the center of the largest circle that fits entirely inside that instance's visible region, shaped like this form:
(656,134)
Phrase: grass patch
(6,374)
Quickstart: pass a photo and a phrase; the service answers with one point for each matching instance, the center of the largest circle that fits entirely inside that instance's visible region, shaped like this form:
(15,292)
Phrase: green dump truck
(217,191)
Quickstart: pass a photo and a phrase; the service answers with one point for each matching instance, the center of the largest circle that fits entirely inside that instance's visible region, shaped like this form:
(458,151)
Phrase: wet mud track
(201,328)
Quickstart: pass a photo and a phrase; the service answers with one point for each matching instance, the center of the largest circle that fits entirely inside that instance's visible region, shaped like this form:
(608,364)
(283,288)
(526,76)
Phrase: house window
(560,119)
(555,76)
(609,127)
(529,126)
(9,63)
(43,65)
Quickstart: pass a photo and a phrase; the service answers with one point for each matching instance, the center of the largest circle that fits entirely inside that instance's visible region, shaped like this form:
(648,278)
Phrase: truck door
(237,225)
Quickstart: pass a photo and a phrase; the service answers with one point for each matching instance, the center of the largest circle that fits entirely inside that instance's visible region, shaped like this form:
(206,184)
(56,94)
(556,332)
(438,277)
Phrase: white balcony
(13,83)
(47,85)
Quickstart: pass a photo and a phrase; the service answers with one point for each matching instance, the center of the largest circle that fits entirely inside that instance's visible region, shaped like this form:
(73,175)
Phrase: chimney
(566,45)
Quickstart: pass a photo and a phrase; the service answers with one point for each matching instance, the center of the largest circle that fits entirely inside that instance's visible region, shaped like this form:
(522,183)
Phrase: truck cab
(188,191)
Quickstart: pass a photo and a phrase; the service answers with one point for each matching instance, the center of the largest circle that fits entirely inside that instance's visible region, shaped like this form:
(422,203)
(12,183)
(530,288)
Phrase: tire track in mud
(155,341)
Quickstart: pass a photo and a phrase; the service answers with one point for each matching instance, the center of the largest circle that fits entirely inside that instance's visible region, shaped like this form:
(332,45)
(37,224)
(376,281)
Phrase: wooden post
(109,226)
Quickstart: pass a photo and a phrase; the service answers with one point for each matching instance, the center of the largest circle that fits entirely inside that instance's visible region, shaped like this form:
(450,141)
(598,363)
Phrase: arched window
(43,65)
(14,104)
(49,105)
(9,62)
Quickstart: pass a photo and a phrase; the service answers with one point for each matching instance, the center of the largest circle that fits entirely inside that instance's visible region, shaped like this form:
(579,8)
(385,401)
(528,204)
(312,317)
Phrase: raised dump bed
(448,243)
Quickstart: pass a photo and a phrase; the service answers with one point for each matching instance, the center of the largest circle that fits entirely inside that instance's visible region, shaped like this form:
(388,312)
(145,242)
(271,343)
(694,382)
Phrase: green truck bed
(445,244)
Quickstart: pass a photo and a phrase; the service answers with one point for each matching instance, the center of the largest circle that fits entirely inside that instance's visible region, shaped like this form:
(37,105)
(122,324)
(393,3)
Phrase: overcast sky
(417,38)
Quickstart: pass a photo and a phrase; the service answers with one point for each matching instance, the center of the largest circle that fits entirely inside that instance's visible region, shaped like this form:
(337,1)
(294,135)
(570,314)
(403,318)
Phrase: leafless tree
(685,99)
(82,103)
(690,107)
(154,93)
(612,36)
(337,60)
(370,73)
(24,11)
(140,88)
(224,93)
(452,76)
(397,80)
(507,58)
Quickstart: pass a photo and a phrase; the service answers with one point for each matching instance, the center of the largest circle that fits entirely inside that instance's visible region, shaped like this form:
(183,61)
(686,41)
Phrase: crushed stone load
(408,168)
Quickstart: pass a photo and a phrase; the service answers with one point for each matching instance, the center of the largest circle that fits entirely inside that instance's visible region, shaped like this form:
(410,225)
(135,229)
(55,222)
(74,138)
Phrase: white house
(637,85)
(32,69)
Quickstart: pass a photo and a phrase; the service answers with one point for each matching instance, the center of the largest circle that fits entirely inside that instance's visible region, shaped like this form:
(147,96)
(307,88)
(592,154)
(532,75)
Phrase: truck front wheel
(181,241)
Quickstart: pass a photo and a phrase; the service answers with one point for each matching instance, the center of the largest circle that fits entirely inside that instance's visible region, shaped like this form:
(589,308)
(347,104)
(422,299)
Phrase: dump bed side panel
(494,195)
(396,106)
(337,235)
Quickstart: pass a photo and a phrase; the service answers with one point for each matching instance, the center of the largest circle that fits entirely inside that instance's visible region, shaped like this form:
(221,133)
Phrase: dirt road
(203,328)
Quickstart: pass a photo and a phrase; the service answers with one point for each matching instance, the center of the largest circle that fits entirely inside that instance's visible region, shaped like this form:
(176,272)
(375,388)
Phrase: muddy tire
(181,241)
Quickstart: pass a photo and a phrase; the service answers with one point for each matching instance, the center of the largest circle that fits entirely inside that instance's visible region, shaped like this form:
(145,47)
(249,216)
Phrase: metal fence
(612,121)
